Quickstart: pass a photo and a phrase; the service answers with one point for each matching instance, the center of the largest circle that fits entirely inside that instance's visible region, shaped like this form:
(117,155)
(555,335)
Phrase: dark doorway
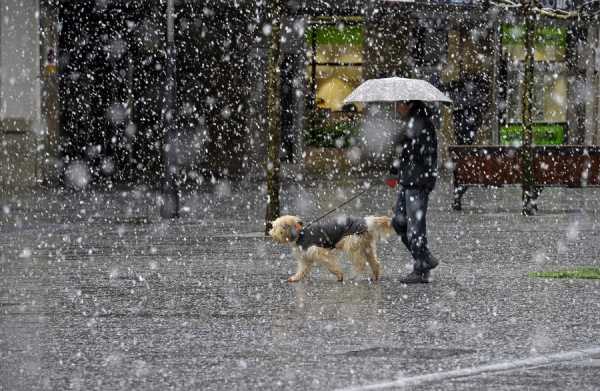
(111,73)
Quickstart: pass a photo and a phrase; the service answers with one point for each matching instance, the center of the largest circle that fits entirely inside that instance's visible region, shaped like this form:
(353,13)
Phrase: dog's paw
(340,277)
(293,279)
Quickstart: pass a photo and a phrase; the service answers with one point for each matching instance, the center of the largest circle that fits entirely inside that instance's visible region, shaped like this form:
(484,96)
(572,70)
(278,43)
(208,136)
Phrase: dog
(322,243)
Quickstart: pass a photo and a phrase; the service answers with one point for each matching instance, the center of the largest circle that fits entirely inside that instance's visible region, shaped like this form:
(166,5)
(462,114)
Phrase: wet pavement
(97,292)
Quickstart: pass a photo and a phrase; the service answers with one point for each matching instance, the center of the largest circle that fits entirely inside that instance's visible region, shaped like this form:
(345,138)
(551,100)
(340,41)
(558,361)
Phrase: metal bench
(494,166)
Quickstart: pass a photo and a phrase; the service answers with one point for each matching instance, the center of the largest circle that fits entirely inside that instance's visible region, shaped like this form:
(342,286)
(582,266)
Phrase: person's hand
(391,182)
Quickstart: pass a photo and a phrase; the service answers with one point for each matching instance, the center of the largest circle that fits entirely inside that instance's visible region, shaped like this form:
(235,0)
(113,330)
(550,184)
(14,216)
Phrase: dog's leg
(352,245)
(304,266)
(333,265)
(371,254)
(358,259)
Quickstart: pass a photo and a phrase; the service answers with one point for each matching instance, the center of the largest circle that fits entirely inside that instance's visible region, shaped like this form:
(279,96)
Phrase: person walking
(415,172)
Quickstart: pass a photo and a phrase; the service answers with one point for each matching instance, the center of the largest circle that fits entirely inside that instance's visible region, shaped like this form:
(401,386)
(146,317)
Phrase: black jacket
(329,233)
(415,163)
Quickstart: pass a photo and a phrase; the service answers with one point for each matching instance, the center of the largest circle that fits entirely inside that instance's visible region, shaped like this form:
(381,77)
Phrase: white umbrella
(393,89)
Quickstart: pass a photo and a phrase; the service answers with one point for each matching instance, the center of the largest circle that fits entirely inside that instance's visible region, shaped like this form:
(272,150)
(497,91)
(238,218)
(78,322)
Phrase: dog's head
(285,229)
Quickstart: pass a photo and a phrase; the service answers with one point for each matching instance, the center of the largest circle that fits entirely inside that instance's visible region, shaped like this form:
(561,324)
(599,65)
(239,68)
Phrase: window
(334,62)
(550,82)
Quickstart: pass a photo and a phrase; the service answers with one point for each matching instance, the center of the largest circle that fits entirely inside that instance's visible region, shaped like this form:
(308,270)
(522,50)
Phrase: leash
(337,207)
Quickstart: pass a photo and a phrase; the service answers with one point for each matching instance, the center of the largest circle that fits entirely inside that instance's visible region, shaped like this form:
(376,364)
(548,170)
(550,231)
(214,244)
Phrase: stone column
(576,73)
(50,107)
(592,58)
(494,110)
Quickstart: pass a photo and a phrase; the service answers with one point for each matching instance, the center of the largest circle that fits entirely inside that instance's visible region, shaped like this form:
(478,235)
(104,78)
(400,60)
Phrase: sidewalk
(97,292)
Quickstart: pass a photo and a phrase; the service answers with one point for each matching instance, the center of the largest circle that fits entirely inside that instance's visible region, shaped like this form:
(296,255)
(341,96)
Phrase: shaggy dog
(321,243)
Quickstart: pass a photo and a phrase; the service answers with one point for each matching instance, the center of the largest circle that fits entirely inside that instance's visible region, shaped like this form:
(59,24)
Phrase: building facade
(475,52)
(82,83)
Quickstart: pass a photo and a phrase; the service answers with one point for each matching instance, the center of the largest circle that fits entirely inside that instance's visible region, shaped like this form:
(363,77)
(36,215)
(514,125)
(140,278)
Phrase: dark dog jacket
(329,233)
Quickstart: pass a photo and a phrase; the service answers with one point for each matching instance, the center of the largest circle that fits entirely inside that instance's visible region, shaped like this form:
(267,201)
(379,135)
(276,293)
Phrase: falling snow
(146,146)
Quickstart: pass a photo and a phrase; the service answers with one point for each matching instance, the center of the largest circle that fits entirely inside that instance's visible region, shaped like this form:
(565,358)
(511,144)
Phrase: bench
(490,165)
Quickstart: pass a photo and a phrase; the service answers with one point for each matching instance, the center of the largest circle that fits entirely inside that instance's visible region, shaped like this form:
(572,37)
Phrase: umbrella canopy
(394,89)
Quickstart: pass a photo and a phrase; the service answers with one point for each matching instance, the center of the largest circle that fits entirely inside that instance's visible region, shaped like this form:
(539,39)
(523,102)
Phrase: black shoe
(417,278)
(412,278)
(426,277)
(433,262)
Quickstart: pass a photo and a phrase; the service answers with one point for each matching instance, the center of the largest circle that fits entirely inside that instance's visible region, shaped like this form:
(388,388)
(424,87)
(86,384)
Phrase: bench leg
(459,191)
(536,193)
(530,201)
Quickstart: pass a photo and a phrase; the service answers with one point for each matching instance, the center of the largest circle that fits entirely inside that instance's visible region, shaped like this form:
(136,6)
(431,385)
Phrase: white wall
(20,110)
(19,59)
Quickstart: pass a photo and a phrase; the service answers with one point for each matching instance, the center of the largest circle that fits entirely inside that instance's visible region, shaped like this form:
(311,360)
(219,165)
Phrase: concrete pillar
(592,59)
(294,87)
(596,88)
(50,113)
(576,73)
(496,43)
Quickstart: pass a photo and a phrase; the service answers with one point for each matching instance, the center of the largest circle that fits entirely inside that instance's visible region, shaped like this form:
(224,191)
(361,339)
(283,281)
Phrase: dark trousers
(410,222)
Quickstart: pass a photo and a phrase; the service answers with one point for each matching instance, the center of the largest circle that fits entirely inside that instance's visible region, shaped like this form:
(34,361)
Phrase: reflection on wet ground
(96,292)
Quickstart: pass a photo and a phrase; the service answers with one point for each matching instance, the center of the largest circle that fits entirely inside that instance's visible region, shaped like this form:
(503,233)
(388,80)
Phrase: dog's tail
(380,226)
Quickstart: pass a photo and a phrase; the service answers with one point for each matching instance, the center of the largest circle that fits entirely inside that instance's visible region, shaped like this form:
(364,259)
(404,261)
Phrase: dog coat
(328,234)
